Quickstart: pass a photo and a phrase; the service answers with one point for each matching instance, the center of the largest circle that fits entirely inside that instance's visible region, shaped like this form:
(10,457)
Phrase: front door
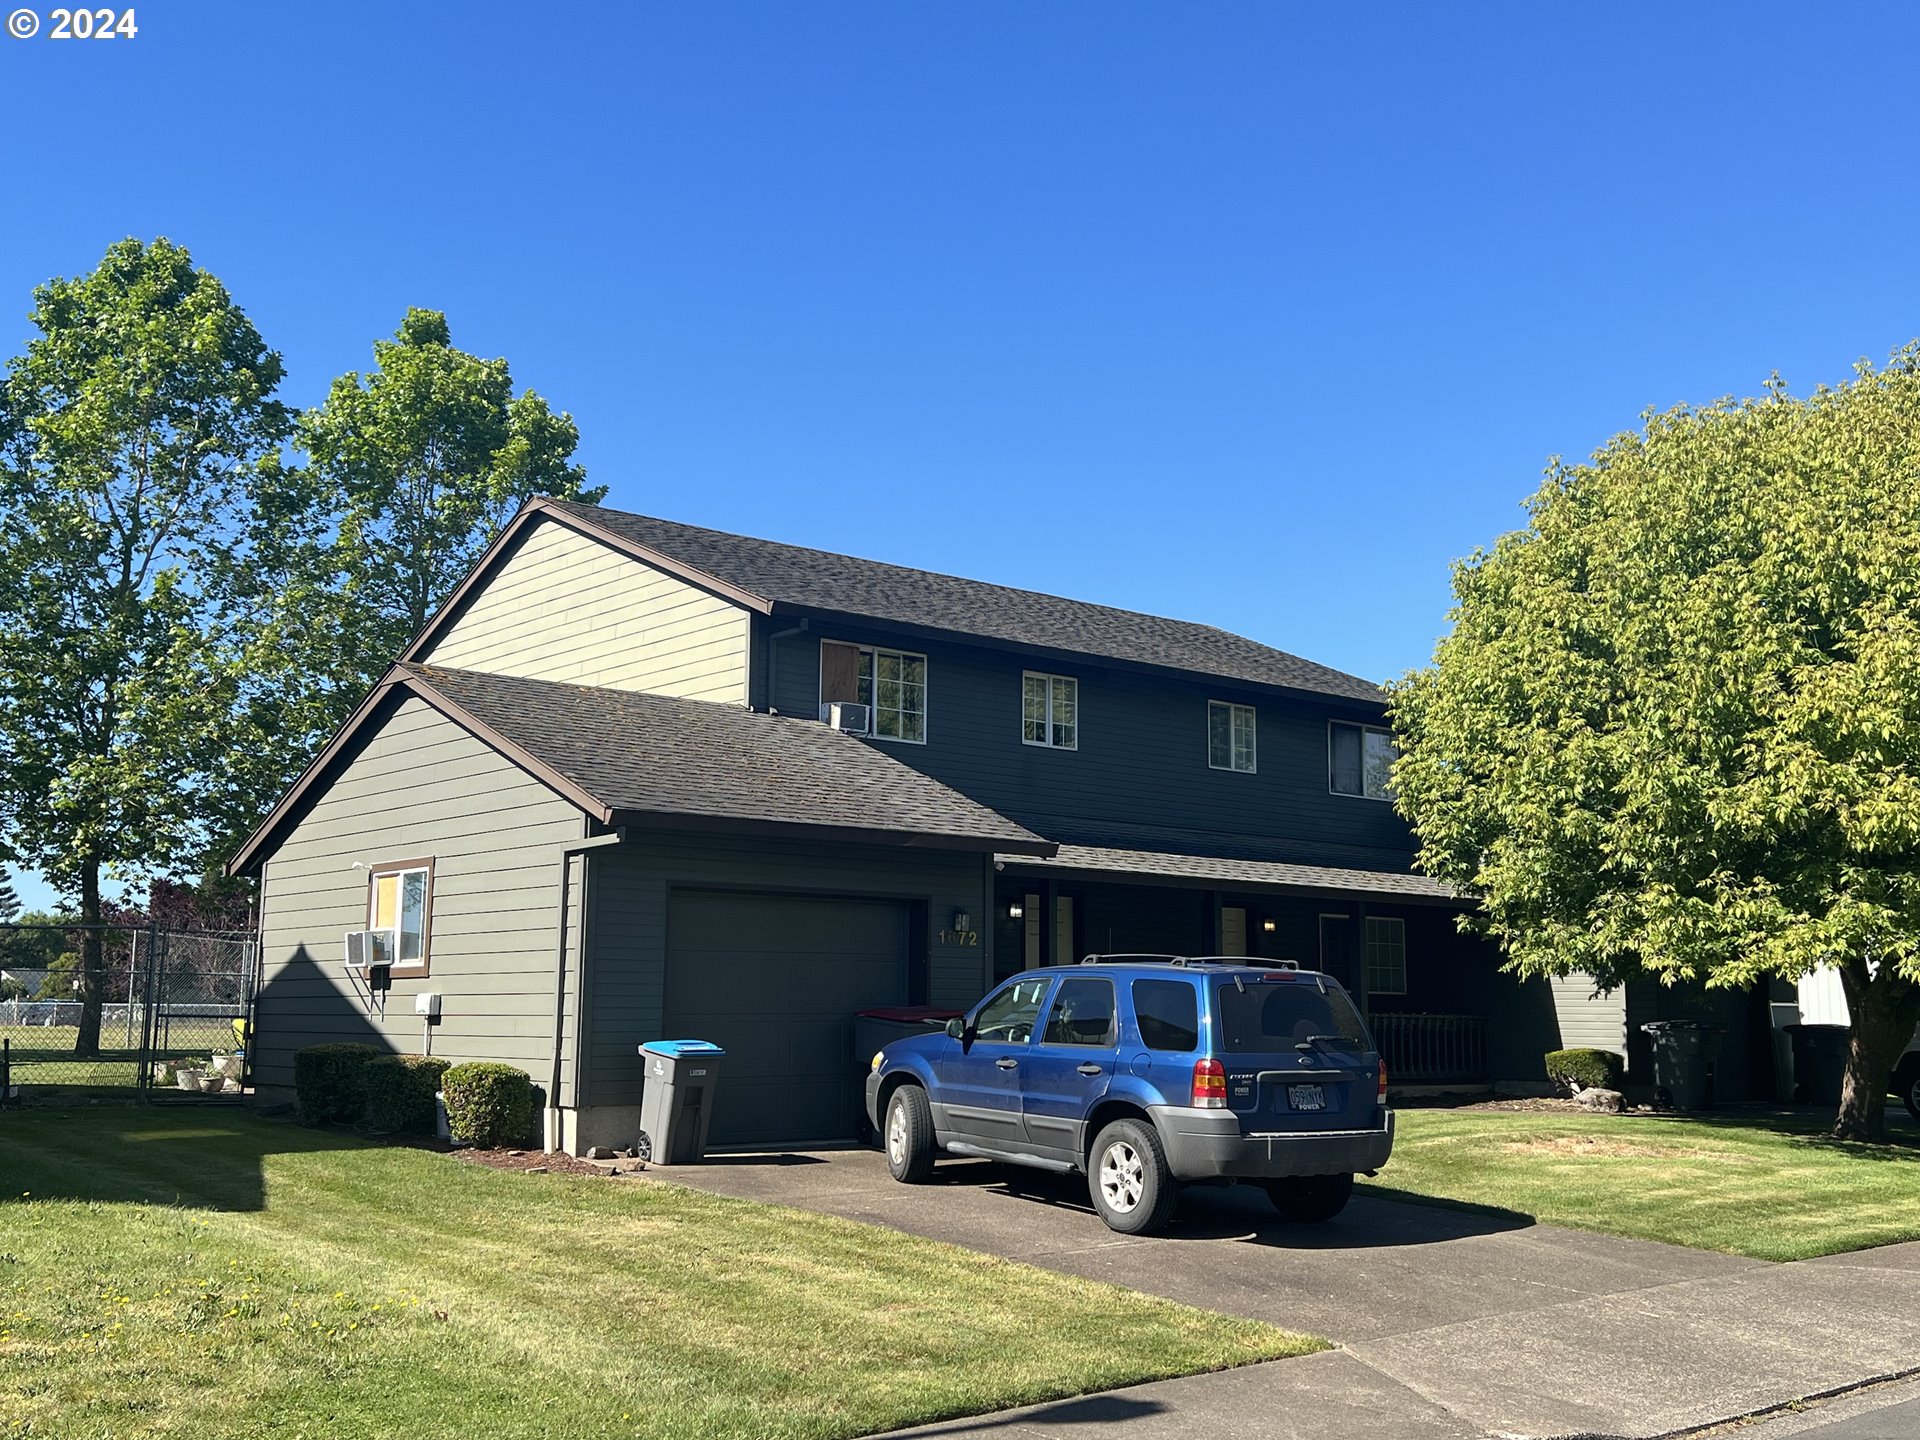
(1071,1064)
(980,1083)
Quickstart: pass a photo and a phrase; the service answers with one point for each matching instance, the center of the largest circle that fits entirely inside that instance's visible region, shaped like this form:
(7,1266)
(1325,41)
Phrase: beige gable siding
(567,608)
(422,787)
(1587,1021)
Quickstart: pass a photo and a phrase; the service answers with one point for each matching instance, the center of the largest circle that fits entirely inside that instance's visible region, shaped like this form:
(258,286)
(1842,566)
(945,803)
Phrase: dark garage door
(775,979)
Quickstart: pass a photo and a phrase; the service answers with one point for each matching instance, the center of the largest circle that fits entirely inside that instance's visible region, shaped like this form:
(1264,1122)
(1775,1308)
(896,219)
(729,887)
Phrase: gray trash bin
(676,1102)
(1684,1055)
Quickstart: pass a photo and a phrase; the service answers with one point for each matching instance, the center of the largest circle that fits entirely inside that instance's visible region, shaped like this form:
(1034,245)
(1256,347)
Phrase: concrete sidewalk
(1454,1325)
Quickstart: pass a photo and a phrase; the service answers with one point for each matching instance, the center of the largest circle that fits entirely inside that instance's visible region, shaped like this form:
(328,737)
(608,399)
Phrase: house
(641,780)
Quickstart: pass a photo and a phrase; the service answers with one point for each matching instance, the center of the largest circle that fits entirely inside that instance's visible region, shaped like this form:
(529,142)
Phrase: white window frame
(1386,797)
(1370,968)
(398,870)
(873,654)
(1052,682)
(1234,709)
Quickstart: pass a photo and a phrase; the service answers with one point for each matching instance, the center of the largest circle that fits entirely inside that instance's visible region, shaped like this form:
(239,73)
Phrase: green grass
(209,1274)
(1771,1186)
(43,1054)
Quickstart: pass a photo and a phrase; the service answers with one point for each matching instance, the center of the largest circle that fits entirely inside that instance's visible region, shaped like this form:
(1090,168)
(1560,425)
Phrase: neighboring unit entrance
(775,979)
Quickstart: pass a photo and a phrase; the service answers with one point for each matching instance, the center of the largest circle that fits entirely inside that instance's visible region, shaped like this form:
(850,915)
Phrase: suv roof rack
(1141,959)
(1255,961)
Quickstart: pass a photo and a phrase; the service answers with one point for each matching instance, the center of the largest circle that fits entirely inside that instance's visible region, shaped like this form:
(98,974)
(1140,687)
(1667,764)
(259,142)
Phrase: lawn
(43,1054)
(1769,1185)
(214,1274)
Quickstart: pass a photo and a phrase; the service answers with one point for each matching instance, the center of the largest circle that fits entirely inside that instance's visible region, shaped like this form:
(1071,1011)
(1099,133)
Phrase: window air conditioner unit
(848,716)
(367,949)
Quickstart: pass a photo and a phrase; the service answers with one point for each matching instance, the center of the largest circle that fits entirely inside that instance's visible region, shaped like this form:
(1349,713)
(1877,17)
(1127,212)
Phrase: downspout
(773,661)
(567,852)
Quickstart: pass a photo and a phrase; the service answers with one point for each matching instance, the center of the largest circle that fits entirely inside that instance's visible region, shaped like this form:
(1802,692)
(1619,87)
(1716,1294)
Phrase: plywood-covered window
(400,903)
(892,683)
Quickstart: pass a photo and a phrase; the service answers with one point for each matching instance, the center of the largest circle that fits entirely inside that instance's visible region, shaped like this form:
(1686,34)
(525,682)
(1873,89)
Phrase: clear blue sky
(1252,313)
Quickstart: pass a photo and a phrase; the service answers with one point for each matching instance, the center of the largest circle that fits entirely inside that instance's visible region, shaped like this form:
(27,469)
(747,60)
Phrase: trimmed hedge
(488,1103)
(1591,1069)
(400,1091)
(330,1083)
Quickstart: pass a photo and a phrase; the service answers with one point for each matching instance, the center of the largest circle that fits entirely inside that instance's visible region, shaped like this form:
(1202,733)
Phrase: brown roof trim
(531,512)
(248,856)
(823,833)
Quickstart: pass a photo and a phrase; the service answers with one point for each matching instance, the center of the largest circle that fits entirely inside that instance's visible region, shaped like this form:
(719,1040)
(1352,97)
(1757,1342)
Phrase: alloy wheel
(1122,1177)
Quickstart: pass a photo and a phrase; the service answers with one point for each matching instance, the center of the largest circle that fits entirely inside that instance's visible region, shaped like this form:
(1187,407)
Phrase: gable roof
(625,755)
(765,575)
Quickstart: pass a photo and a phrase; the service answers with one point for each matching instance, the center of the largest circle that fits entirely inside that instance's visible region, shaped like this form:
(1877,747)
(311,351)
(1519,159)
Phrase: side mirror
(957,1028)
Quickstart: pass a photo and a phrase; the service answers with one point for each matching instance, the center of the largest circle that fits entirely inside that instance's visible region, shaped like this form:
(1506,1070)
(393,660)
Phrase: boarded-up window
(839,672)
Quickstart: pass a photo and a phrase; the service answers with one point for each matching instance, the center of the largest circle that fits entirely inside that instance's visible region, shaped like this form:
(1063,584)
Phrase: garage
(775,979)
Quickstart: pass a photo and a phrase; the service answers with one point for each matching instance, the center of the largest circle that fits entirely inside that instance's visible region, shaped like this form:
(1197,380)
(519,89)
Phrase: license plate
(1306,1097)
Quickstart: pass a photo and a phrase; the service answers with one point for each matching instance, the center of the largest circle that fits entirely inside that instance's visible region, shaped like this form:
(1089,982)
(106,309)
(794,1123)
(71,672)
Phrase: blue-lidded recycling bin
(676,1100)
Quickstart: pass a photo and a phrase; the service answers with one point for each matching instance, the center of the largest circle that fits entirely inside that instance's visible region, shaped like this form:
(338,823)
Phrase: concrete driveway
(1451,1323)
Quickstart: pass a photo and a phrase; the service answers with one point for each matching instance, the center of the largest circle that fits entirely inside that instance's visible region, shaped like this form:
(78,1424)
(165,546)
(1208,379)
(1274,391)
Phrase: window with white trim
(891,683)
(1360,760)
(400,902)
(1230,736)
(1386,942)
(1050,711)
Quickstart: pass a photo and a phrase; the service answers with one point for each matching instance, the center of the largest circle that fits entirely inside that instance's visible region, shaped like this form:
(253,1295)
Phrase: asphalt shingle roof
(823,580)
(1236,872)
(657,754)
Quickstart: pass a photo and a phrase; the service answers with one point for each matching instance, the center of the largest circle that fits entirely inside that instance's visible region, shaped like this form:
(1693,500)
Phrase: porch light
(1015,910)
(962,920)
(1268,925)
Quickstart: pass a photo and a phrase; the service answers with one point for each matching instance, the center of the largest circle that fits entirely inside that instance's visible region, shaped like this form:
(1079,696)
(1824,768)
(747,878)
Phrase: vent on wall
(845,715)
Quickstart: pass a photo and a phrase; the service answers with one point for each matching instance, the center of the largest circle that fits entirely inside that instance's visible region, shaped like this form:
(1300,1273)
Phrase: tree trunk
(93,963)
(1884,1008)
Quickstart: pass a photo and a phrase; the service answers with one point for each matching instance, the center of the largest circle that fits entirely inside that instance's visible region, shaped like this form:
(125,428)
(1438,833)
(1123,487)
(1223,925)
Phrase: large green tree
(133,431)
(419,465)
(1675,728)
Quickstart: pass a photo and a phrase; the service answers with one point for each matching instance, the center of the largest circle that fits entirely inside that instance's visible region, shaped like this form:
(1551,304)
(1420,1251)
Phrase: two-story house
(641,780)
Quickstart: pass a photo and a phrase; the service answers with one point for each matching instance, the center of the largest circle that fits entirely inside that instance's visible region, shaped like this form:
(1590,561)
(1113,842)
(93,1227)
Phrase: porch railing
(1432,1049)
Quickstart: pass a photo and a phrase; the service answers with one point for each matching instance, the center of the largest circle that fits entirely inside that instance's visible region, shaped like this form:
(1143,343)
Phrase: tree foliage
(132,432)
(1675,728)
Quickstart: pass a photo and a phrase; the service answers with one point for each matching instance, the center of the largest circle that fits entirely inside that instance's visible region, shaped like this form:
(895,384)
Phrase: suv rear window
(1269,1015)
(1168,1012)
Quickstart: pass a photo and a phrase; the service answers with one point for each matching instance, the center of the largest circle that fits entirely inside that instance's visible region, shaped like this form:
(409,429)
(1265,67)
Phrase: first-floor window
(1386,956)
(1360,760)
(1230,739)
(1050,711)
(399,901)
(891,683)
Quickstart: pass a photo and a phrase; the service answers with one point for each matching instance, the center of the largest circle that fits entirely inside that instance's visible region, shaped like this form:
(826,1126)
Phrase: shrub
(330,1083)
(400,1091)
(488,1103)
(1589,1069)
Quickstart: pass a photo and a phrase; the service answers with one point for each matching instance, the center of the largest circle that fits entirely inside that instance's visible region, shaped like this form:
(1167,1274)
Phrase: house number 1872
(959,937)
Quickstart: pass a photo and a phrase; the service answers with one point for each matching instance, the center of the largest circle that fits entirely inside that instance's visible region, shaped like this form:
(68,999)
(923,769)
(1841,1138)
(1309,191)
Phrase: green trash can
(1819,1063)
(1684,1055)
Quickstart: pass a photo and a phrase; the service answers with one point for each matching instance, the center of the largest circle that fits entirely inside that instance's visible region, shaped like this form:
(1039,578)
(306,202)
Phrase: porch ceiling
(1210,870)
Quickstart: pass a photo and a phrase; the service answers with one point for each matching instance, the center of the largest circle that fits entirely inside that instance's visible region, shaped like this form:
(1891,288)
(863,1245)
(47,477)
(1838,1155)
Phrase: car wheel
(1910,1090)
(909,1135)
(1128,1178)
(1310,1199)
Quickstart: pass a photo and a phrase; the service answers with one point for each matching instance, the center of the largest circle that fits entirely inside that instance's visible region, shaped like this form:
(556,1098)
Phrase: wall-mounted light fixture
(962,920)
(1268,925)
(1015,910)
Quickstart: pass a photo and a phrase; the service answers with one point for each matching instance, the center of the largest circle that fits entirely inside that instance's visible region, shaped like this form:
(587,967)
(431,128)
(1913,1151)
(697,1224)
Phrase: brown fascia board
(851,834)
(1073,657)
(247,857)
(529,513)
(1020,868)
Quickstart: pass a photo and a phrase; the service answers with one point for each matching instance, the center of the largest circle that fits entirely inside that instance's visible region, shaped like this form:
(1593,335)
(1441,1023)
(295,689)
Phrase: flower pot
(187,1079)
(228,1066)
(212,1083)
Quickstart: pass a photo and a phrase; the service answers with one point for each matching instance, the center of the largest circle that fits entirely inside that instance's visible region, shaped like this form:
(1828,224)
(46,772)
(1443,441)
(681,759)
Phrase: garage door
(775,980)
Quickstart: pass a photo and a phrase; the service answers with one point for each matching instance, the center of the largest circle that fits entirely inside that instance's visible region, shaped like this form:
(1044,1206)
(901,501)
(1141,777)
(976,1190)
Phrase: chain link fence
(86,1009)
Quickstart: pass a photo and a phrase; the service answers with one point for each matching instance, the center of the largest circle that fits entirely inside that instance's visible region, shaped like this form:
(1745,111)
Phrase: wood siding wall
(1142,757)
(420,786)
(567,608)
(631,884)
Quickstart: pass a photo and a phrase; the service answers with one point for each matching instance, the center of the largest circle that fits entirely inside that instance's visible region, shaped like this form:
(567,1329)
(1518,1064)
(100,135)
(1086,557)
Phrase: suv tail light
(1209,1085)
(1382,1095)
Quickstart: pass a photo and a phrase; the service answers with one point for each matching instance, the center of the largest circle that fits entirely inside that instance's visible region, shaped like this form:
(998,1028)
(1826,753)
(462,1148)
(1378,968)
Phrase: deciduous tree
(1675,729)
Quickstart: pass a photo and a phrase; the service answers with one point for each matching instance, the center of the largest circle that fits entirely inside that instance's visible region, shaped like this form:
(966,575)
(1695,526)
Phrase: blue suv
(1144,1071)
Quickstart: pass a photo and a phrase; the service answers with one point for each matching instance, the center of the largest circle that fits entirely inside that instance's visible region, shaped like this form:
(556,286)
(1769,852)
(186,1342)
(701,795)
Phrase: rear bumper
(1208,1145)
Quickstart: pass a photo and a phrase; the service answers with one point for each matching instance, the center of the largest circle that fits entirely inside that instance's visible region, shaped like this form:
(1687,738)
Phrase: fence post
(146,1012)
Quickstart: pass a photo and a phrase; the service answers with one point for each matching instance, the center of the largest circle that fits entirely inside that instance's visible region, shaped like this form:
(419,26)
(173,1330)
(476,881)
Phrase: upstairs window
(891,683)
(1360,760)
(400,902)
(1230,737)
(1050,711)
